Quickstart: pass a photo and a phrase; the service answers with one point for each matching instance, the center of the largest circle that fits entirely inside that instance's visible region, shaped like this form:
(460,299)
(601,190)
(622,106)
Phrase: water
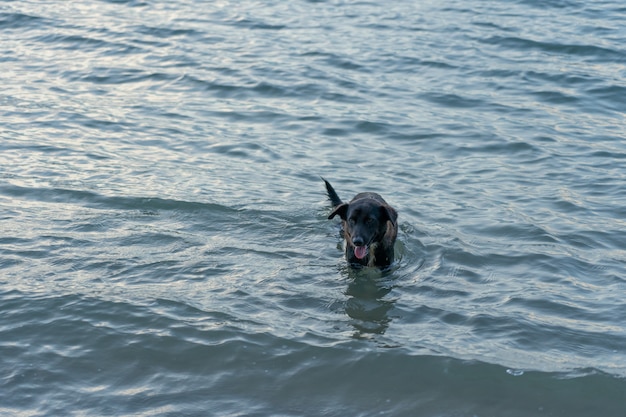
(165,249)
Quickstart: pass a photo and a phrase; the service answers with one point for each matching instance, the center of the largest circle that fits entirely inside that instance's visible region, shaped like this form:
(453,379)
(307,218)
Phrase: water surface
(165,248)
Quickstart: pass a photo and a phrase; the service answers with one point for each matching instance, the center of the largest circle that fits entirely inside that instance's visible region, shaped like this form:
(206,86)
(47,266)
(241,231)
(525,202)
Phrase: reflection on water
(367,304)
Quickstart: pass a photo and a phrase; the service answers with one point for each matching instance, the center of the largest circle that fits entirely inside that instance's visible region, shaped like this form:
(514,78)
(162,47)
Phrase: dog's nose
(358,241)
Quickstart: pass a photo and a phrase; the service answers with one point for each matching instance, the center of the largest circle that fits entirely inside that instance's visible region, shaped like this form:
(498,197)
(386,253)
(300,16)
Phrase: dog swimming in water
(369,226)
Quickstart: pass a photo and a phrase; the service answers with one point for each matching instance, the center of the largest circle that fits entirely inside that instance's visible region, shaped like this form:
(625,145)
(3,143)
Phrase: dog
(369,226)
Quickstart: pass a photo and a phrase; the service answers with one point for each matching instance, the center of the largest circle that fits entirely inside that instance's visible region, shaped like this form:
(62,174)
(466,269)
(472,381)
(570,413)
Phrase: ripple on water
(165,247)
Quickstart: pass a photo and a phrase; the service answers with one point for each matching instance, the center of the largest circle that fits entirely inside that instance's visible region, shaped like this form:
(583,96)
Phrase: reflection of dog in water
(367,304)
(370,227)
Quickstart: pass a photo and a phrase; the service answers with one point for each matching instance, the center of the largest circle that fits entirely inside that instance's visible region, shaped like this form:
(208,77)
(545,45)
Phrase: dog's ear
(341,210)
(389,213)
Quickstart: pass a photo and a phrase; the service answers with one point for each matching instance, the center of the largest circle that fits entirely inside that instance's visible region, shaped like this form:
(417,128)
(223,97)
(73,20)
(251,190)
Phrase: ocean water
(165,248)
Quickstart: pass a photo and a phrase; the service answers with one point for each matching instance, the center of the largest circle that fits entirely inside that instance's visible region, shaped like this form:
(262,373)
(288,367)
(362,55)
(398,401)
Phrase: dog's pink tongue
(360,251)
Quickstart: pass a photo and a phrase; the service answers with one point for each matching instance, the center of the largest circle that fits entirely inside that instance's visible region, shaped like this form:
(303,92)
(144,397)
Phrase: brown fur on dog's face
(370,229)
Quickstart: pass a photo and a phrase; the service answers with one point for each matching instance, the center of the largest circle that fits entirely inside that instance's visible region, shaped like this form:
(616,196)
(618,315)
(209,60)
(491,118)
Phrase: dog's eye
(369,220)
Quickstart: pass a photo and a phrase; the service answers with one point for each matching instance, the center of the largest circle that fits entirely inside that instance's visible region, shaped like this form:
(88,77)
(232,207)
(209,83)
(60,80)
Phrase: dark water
(164,247)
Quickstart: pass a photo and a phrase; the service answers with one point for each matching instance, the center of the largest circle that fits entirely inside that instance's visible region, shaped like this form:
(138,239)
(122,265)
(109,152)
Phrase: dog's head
(364,223)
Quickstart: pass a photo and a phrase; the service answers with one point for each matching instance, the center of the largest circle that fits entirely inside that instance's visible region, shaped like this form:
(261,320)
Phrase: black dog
(370,227)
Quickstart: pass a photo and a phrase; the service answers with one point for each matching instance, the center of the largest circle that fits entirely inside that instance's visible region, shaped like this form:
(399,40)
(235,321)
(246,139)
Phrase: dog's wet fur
(369,226)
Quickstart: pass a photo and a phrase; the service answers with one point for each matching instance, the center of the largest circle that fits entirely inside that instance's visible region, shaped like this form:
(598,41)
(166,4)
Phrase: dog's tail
(332,194)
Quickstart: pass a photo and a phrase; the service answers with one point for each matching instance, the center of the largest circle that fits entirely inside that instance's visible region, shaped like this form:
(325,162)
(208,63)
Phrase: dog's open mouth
(360,251)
